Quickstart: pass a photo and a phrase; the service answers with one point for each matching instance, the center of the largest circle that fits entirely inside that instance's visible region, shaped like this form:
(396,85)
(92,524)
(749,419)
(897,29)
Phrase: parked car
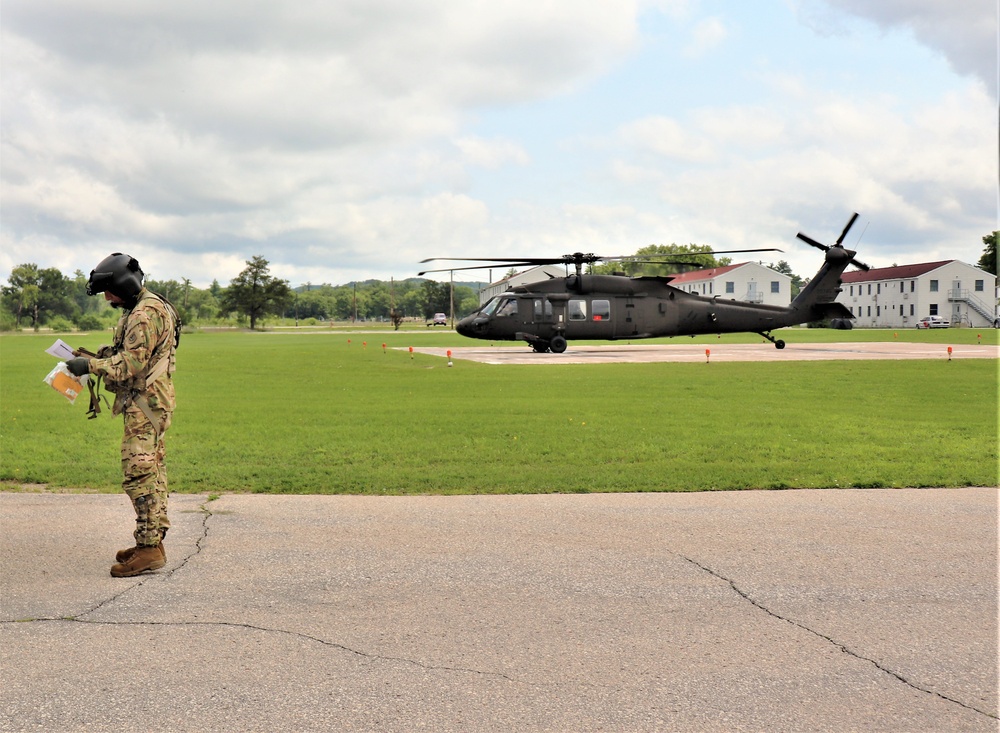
(440,319)
(933,322)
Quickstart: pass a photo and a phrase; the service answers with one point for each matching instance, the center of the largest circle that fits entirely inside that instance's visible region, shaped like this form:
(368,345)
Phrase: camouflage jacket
(144,335)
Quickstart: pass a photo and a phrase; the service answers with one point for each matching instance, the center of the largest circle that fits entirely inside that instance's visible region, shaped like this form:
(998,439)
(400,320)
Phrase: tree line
(34,297)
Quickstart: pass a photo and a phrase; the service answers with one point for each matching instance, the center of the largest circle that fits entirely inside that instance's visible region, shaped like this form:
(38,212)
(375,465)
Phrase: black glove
(78,366)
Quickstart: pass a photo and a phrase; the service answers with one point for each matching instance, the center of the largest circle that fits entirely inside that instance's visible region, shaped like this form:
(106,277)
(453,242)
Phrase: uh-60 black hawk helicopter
(549,313)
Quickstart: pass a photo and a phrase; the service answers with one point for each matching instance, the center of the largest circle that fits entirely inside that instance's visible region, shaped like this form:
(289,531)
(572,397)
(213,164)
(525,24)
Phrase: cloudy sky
(349,139)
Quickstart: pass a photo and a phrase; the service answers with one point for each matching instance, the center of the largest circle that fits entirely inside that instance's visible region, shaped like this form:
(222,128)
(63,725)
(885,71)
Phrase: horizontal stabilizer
(826,311)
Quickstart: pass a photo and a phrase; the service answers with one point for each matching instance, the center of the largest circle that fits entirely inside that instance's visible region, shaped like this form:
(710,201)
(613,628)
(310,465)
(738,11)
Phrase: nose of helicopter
(464,326)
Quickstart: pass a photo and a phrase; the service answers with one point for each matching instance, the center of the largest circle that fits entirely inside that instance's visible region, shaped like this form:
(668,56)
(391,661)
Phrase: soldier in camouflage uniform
(137,368)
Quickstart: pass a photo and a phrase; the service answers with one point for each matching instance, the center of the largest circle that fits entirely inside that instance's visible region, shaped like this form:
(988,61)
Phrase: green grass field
(308,412)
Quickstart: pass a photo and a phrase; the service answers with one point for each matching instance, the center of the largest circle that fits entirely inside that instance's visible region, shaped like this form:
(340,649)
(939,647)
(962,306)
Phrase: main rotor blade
(843,234)
(813,242)
(483,267)
(518,260)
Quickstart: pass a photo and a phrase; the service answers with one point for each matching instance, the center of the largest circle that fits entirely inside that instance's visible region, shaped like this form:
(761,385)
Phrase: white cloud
(706,35)
(966,32)
(350,139)
(491,153)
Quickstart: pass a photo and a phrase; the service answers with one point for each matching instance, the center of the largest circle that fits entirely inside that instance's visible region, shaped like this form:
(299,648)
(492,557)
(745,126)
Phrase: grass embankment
(312,413)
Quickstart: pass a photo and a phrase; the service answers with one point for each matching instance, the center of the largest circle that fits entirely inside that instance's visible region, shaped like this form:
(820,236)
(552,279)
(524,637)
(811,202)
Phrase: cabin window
(934,288)
(601,310)
(578,310)
(543,309)
(508,307)
(730,286)
(775,286)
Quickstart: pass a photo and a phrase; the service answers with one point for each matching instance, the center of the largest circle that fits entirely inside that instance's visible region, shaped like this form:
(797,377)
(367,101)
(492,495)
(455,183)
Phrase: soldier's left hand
(78,366)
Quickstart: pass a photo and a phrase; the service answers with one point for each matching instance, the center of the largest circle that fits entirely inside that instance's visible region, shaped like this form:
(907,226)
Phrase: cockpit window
(487,310)
(508,307)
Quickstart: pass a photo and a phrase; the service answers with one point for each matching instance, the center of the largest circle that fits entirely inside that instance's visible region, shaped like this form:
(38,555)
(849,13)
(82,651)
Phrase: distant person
(137,368)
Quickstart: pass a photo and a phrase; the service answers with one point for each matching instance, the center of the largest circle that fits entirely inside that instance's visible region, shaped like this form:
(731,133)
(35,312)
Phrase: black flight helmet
(118,274)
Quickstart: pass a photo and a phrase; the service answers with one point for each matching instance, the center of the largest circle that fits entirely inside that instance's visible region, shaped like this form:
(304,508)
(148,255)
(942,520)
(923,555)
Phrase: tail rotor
(839,243)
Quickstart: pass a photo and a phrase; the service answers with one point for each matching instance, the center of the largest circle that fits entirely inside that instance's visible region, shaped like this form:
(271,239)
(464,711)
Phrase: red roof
(703,274)
(901,272)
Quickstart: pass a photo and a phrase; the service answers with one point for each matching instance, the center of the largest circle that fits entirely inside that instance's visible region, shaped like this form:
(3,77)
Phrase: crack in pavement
(843,647)
(206,516)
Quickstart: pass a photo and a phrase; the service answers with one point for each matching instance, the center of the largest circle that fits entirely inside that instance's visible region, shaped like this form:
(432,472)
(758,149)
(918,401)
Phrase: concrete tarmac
(635,353)
(833,610)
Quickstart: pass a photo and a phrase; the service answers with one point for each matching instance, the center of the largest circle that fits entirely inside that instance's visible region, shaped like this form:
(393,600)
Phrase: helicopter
(550,313)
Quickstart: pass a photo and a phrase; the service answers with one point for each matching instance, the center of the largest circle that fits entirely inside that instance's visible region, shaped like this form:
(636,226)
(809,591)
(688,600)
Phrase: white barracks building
(898,297)
(746,281)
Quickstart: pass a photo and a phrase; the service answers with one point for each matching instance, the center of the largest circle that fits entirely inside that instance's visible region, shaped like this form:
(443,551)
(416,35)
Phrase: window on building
(934,286)
(601,310)
(775,286)
(979,286)
(869,311)
(711,288)
(878,311)
(902,288)
(578,310)
(869,288)
(730,286)
(913,286)
(901,310)
(912,312)
(852,290)
(878,289)
(933,310)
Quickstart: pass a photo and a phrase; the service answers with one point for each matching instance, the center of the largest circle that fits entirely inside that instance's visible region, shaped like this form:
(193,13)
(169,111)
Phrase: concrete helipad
(681,352)
(832,610)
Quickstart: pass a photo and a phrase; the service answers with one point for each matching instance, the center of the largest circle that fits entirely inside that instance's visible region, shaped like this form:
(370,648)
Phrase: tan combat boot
(141,560)
(123,555)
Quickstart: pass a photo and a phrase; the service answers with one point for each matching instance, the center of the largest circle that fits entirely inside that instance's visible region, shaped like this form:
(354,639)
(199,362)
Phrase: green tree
(988,261)
(39,294)
(437,298)
(785,269)
(645,261)
(255,293)
(22,292)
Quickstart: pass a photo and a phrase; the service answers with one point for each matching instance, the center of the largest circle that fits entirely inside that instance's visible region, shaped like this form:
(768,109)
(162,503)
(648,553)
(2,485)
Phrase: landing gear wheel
(557,345)
(779,344)
(540,346)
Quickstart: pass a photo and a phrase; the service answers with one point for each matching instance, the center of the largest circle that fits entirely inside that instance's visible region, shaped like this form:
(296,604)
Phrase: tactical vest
(162,360)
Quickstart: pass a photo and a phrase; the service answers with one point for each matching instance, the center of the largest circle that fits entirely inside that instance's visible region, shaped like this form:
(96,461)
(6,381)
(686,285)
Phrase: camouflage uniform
(143,337)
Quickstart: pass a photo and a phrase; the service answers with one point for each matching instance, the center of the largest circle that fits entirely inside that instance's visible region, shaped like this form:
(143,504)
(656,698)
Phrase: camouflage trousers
(143,456)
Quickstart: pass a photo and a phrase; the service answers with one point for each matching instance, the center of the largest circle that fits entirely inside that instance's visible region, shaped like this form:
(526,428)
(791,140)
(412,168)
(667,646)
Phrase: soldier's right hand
(78,366)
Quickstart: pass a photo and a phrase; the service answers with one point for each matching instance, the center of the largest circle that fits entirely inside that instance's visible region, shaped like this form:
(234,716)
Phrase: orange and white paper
(63,382)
